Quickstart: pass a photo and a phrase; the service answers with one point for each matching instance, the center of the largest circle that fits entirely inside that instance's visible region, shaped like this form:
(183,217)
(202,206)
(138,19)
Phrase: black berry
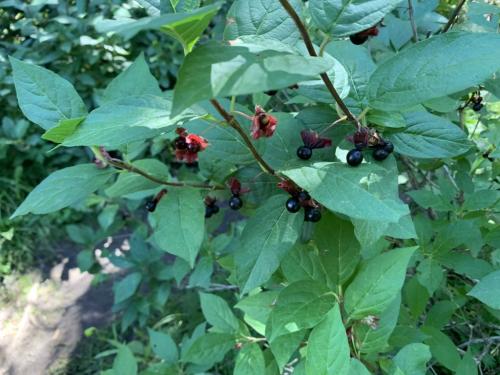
(235,203)
(208,211)
(380,154)
(358,39)
(304,152)
(194,166)
(312,214)
(303,196)
(354,157)
(180,143)
(359,146)
(389,147)
(151,206)
(293,205)
(477,107)
(271,92)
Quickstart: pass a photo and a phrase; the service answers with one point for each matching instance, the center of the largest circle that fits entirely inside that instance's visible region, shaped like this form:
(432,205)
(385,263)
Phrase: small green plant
(384,134)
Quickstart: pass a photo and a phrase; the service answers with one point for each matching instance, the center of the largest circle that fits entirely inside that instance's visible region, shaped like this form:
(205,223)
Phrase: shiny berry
(354,157)
(235,203)
(180,143)
(380,154)
(358,39)
(312,214)
(304,152)
(151,206)
(303,196)
(389,147)
(293,205)
(477,107)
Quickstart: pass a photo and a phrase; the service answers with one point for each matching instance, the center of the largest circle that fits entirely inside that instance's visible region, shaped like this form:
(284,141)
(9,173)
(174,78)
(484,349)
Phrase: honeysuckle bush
(324,180)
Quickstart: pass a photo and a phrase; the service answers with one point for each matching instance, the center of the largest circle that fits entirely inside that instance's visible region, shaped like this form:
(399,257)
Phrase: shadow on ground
(41,325)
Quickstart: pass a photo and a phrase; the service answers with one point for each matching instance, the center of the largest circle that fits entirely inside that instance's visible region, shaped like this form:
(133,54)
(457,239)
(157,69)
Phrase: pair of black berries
(380,153)
(296,202)
(211,209)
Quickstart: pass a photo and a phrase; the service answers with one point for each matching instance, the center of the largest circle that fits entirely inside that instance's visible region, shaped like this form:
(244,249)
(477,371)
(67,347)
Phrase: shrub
(324,179)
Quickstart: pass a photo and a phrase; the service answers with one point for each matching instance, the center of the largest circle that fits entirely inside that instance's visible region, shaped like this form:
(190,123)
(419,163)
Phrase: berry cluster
(312,141)
(187,146)
(367,138)
(211,207)
(151,205)
(298,199)
(363,36)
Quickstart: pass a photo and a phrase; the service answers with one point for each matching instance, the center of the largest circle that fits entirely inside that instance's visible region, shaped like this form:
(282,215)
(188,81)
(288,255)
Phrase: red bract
(289,187)
(263,124)
(235,187)
(192,145)
(312,139)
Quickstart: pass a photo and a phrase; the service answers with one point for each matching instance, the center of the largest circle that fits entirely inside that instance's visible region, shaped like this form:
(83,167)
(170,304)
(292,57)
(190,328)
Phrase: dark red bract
(263,124)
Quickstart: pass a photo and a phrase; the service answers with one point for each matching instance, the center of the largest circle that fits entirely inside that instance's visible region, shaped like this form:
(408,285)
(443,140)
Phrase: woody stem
(232,122)
(324,76)
(120,164)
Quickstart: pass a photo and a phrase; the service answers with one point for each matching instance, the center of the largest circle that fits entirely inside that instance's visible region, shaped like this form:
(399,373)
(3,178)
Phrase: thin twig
(232,122)
(120,164)
(479,341)
(411,14)
(454,16)
(324,76)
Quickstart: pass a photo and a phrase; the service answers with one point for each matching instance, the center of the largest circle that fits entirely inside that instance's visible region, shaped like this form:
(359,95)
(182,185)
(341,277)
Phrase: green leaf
(180,223)
(44,97)
(442,348)
(412,360)
(346,17)
(62,130)
(217,70)
(376,340)
(357,368)
(300,305)
(209,349)
(136,80)
(430,274)
(123,121)
(368,191)
(129,183)
(257,308)
(328,351)
(200,277)
(386,119)
(302,263)
(63,188)
(467,365)
(125,288)
(283,347)
(185,27)
(416,74)
(488,290)
(377,283)
(339,251)
(428,136)
(218,313)
(466,264)
(125,362)
(250,361)
(163,346)
(266,18)
(266,239)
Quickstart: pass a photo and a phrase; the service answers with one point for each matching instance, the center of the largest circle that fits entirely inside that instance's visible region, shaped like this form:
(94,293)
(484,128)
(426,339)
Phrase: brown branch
(120,164)
(310,48)
(454,16)
(411,14)
(232,122)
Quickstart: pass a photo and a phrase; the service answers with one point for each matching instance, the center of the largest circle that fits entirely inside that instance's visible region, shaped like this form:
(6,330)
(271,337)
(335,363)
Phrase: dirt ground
(45,314)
